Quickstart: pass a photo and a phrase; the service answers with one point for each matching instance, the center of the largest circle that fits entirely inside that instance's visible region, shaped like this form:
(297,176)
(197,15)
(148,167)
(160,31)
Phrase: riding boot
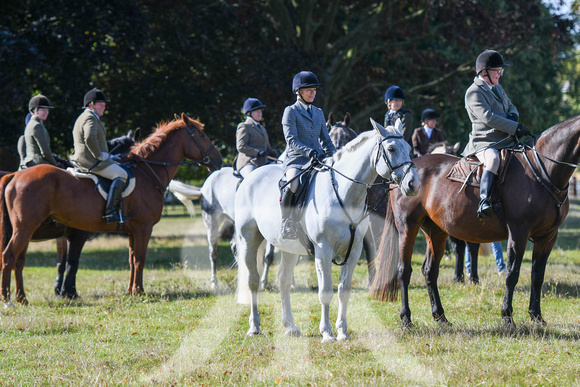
(288,229)
(112,209)
(485,209)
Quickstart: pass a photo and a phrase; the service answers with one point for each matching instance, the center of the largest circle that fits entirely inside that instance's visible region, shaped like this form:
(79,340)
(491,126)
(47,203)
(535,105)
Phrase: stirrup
(484,211)
(115,217)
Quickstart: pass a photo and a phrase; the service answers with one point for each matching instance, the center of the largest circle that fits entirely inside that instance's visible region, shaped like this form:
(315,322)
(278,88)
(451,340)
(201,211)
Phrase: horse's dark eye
(391,149)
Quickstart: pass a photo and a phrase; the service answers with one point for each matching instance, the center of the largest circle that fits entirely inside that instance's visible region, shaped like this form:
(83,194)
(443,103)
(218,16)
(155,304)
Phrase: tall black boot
(288,229)
(485,209)
(111,210)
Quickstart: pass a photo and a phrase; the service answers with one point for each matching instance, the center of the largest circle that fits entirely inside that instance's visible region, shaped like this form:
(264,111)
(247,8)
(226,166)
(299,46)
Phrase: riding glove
(513,117)
(261,153)
(104,156)
(522,131)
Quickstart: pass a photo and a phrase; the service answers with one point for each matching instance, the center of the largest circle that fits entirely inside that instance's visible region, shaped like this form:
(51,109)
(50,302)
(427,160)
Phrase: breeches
(113,172)
(291,173)
(490,159)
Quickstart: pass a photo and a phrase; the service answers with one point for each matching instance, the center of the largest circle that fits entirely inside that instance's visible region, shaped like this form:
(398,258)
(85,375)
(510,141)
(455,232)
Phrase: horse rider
(494,120)
(395,99)
(91,153)
(427,134)
(307,139)
(34,145)
(252,139)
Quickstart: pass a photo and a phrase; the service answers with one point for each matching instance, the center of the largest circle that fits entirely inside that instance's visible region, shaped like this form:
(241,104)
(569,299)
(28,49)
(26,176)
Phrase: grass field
(180,333)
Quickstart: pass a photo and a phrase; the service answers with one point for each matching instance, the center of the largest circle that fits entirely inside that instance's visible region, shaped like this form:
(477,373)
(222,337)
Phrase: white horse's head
(392,159)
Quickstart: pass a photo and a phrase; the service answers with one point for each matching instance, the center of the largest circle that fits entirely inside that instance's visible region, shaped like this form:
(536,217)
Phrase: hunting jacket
(421,142)
(37,144)
(406,119)
(488,113)
(304,134)
(89,140)
(251,138)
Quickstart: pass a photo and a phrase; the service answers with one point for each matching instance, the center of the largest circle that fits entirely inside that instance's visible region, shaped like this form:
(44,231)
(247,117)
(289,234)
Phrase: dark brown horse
(32,195)
(534,198)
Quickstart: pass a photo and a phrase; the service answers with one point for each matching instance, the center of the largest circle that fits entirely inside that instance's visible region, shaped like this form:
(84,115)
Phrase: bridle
(205,160)
(407,165)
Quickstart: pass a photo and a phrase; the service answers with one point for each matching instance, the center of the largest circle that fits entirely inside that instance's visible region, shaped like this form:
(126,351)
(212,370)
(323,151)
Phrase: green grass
(180,333)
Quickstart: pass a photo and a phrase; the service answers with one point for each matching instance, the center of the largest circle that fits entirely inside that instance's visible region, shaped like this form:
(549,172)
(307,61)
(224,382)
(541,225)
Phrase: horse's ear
(130,134)
(456,147)
(176,116)
(187,120)
(137,135)
(331,119)
(379,128)
(347,120)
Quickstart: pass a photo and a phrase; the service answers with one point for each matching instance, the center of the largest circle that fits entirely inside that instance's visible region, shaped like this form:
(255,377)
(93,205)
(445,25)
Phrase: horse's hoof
(509,323)
(459,280)
(342,336)
(254,331)
(293,332)
(8,305)
(474,281)
(407,324)
(22,301)
(538,321)
(328,338)
(443,322)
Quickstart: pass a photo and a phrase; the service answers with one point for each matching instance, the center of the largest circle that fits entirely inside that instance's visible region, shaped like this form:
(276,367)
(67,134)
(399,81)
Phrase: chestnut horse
(534,199)
(32,195)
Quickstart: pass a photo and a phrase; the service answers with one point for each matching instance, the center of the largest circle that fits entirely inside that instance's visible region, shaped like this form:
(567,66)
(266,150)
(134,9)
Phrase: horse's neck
(560,144)
(356,165)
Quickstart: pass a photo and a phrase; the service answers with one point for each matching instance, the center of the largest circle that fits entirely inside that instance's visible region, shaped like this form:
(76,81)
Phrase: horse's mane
(160,133)
(353,145)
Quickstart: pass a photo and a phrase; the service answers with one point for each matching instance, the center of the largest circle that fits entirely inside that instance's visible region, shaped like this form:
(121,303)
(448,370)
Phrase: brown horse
(32,195)
(534,199)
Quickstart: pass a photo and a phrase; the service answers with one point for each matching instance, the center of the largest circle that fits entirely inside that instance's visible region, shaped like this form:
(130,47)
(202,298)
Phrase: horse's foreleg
(268,260)
(474,257)
(539,259)
(430,269)
(76,242)
(61,255)
(406,242)
(515,253)
(370,253)
(248,246)
(323,268)
(285,277)
(344,291)
(458,248)
(139,249)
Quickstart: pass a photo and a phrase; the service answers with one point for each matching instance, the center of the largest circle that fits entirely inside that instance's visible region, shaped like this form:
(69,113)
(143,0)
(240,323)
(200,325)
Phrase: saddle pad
(104,193)
(468,169)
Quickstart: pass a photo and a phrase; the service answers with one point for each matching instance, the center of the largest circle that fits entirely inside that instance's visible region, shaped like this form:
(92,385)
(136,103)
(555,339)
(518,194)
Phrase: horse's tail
(5,224)
(385,284)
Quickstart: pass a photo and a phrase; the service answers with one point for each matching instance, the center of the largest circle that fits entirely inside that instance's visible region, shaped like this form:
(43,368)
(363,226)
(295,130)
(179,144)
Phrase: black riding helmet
(489,59)
(39,101)
(94,95)
(429,114)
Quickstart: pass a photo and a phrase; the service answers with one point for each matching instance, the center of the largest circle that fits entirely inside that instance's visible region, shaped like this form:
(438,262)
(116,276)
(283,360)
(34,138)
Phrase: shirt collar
(95,114)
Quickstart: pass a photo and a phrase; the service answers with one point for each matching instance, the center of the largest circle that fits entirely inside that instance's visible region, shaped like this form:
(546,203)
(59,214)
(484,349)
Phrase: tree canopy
(205,57)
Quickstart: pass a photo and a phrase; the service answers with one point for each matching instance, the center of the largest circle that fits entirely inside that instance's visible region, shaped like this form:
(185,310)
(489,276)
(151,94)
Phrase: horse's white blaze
(258,217)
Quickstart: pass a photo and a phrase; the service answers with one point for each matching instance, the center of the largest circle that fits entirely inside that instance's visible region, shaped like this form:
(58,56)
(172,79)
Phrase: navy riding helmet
(394,92)
(429,114)
(252,104)
(304,79)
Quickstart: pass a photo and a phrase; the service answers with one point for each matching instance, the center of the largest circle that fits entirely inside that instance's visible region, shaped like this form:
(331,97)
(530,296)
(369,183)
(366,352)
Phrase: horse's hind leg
(539,259)
(212,223)
(20,296)
(435,249)
(285,278)
(370,253)
(268,260)
(61,257)
(76,242)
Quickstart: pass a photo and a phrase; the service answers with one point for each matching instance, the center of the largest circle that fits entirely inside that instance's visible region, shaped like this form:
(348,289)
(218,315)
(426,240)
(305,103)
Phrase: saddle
(102,184)
(467,170)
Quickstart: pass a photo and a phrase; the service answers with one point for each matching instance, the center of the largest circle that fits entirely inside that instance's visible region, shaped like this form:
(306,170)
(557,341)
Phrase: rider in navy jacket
(307,138)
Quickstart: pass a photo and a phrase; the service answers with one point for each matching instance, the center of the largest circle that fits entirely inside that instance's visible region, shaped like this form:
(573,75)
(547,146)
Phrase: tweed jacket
(250,139)
(421,142)
(304,134)
(89,140)
(406,119)
(490,126)
(37,144)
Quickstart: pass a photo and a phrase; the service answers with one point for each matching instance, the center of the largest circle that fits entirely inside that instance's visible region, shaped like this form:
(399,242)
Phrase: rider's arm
(40,135)
(242,140)
(477,102)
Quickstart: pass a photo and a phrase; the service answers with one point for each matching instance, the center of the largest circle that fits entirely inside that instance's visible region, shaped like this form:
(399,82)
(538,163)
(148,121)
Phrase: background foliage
(205,57)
